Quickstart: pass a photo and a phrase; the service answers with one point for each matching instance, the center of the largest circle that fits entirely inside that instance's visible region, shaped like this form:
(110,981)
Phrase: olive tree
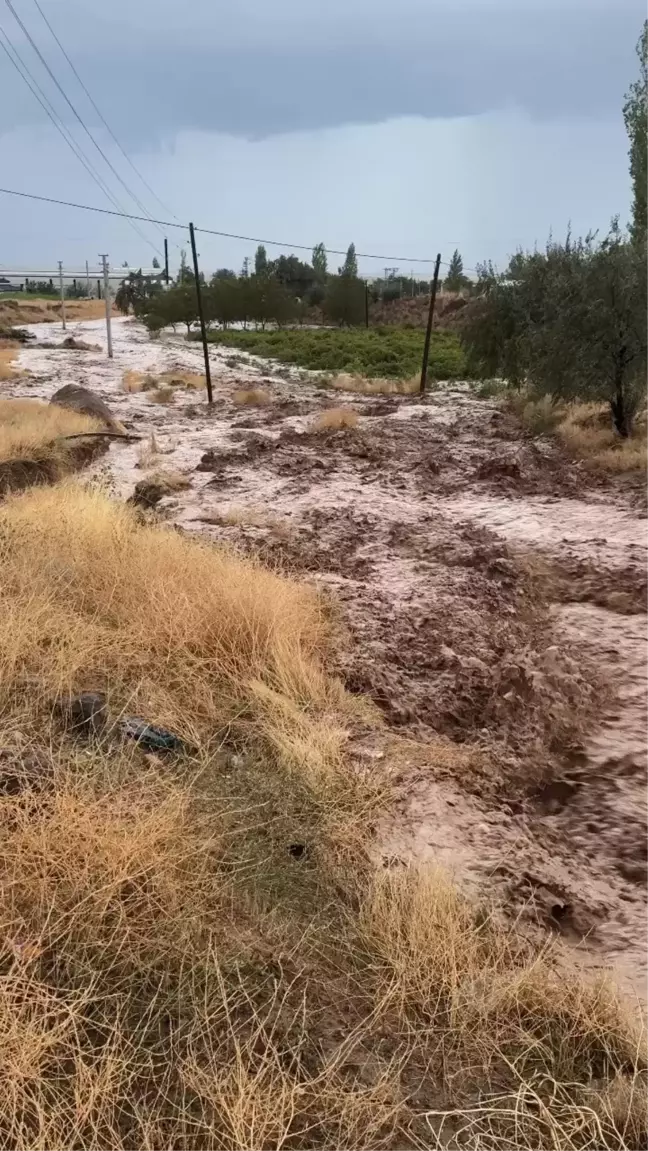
(569,321)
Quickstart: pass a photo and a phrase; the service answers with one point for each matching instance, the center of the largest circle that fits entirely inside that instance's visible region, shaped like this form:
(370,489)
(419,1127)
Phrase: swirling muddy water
(603,810)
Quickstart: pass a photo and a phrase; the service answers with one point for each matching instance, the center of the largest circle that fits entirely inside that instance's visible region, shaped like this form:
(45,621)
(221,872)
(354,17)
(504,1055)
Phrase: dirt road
(492,602)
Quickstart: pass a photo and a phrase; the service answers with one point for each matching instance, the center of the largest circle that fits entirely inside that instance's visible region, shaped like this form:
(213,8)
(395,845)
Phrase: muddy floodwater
(493,604)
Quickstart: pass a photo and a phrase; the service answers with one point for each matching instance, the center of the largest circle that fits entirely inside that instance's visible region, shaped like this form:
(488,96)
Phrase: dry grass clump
(181,379)
(251,397)
(196,638)
(162,395)
(29,429)
(8,352)
(334,419)
(169,481)
(586,431)
(347,382)
(133,381)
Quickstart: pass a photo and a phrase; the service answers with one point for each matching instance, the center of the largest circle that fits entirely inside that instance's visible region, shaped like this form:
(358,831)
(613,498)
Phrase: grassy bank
(390,353)
(586,432)
(199,953)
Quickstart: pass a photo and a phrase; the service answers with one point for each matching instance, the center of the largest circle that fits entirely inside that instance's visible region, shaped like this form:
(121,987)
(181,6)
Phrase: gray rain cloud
(256,67)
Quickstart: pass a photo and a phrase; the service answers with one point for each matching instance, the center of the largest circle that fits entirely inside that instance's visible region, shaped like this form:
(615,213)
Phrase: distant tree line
(281,291)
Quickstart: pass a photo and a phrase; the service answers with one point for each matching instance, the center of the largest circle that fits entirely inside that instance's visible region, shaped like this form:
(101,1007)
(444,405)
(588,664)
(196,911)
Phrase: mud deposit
(491,602)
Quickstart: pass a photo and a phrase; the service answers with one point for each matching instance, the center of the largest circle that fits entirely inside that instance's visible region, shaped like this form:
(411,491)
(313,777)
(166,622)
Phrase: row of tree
(260,298)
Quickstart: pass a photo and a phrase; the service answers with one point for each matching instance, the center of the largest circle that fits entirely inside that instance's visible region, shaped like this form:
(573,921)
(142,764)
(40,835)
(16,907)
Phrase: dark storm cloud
(258,67)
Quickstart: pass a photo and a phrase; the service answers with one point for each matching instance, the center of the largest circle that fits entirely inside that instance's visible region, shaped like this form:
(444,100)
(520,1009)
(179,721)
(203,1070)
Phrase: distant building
(7,286)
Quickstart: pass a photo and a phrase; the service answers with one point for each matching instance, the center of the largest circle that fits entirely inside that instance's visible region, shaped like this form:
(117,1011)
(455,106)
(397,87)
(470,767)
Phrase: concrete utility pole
(60,264)
(103,256)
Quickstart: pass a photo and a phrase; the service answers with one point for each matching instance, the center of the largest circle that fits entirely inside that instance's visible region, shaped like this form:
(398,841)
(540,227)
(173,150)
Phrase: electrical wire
(102,117)
(214,232)
(74,111)
(23,71)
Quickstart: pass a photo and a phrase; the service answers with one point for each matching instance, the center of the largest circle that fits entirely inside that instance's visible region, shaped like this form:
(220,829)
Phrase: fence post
(428,330)
(60,264)
(201,315)
(104,262)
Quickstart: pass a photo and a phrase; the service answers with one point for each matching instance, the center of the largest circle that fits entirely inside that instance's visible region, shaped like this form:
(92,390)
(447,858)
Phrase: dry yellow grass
(162,395)
(200,954)
(586,431)
(133,381)
(347,382)
(251,397)
(206,626)
(30,428)
(334,419)
(181,379)
(8,354)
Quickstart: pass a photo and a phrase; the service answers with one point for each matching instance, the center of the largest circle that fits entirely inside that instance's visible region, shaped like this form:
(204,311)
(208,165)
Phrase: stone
(82,400)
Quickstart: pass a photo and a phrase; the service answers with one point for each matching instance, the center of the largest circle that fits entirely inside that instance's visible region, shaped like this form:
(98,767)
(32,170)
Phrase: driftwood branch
(103,435)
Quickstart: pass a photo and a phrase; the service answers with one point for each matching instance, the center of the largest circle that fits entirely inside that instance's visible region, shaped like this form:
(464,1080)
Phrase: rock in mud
(82,400)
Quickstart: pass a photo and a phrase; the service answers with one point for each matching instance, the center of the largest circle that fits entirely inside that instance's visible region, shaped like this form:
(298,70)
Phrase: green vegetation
(635,114)
(391,353)
(569,322)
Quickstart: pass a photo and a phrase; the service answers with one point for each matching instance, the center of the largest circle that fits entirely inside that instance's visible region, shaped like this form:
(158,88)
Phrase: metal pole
(104,261)
(428,330)
(166,259)
(60,264)
(87,280)
(201,315)
(366,304)
(98,289)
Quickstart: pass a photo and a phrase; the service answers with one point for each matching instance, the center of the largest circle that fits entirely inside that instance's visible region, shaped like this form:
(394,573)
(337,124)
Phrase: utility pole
(166,261)
(87,280)
(201,315)
(428,330)
(103,256)
(60,264)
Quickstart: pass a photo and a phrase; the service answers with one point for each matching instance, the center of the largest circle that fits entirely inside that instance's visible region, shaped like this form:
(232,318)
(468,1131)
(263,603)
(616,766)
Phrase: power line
(73,109)
(24,72)
(37,92)
(214,232)
(102,117)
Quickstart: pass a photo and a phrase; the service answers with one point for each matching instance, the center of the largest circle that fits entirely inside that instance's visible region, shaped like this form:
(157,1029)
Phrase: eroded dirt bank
(492,600)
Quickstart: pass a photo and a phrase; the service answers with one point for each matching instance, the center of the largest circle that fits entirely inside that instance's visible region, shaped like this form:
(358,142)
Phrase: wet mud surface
(491,601)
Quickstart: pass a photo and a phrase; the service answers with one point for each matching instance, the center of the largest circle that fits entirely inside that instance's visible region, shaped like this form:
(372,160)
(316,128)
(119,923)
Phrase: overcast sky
(407,127)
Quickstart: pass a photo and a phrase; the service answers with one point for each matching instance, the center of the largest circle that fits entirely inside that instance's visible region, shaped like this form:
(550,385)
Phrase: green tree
(569,321)
(344,302)
(455,280)
(350,265)
(319,261)
(184,271)
(635,114)
(155,263)
(260,261)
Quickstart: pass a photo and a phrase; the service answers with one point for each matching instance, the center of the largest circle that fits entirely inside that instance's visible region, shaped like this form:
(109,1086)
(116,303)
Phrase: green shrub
(389,352)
